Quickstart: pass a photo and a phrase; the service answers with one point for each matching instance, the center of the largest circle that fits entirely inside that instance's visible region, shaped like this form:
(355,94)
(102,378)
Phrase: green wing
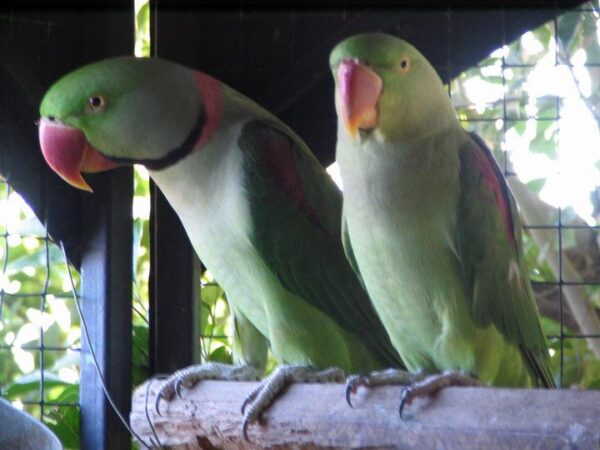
(489,245)
(349,251)
(296,213)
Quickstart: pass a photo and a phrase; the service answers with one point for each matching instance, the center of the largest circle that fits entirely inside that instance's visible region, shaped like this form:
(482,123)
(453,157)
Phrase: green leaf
(211,293)
(31,383)
(519,127)
(221,354)
(541,145)
(589,25)
(544,34)
(567,29)
(138,233)
(37,258)
(141,360)
(536,185)
(30,226)
(594,384)
(64,420)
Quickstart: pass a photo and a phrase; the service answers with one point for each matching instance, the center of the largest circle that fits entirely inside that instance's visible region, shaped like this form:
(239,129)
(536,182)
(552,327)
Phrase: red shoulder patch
(211,91)
(496,183)
(279,158)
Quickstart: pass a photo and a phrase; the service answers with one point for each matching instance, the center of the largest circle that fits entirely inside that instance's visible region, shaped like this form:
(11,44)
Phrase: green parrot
(260,211)
(430,224)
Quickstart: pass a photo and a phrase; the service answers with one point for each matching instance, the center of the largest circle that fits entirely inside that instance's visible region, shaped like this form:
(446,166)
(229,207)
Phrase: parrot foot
(191,375)
(432,384)
(259,399)
(378,378)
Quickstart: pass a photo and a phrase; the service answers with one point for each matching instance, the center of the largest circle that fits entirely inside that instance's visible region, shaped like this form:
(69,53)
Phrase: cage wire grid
(30,292)
(214,308)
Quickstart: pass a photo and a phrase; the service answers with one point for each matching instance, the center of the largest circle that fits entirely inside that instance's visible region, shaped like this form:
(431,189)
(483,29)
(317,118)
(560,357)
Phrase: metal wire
(109,397)
(11,304)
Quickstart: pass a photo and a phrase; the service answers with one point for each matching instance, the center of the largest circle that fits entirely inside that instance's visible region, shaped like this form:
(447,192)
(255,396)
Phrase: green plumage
(313,271)
(431,224)
(261,212)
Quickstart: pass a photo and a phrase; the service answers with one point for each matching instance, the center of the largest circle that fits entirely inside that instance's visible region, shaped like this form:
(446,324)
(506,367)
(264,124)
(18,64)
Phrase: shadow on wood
(313,415)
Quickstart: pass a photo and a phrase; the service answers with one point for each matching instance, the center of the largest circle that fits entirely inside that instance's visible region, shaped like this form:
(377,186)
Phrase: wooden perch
(313,416)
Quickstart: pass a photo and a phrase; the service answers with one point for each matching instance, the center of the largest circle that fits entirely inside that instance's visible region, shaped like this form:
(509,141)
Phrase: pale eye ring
(96,103)
(404,65)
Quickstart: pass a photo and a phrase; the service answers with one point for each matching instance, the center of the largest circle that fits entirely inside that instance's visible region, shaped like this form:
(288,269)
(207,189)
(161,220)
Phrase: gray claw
(348,394)
(245,425)
(157,404)
(405,399)
(178,385)
(244,405)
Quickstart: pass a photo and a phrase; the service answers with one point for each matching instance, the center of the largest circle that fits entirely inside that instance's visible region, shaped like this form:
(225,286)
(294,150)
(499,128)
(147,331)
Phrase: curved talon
(245,405)
(349,392)
(178,384)
(159,397)
(404,400)
(245,425)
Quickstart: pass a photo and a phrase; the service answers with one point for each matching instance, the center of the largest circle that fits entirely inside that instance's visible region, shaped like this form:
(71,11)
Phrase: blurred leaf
(519,127)
(221,354)
(142,25)
(567,27)
(547,108)
(70,359)
(31,383)
(64,420)
(138,233)
(543,146)
(589,25)
(30,226)
(141,361)
(211,293)
(536,185)
(37,258)
(544,34)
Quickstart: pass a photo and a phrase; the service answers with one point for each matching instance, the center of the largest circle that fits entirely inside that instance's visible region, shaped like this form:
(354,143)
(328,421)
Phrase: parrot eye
(404,65)
(96,103)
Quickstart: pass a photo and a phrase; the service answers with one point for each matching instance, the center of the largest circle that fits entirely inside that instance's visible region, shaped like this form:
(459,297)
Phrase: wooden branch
(313,416)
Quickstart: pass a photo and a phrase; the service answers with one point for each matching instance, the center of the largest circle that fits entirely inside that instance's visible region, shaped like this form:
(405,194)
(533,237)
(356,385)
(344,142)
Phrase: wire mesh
(39,326)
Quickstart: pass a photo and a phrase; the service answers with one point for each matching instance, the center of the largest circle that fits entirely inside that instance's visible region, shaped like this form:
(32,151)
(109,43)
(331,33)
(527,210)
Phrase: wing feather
(489,242)
(296,214)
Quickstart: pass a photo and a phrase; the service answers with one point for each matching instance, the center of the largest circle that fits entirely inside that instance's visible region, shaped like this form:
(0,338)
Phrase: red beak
(68,153)
(359,90)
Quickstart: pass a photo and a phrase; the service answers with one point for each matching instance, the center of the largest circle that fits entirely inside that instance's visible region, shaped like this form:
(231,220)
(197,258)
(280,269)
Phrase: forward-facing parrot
(260,211)
(430,224)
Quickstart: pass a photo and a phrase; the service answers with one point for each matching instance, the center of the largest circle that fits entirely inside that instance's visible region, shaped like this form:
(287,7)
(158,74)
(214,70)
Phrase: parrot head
(117,111)
(384,84)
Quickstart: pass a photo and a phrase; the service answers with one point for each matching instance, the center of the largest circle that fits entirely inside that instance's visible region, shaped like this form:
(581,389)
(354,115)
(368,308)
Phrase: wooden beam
(313,415)
(106,305)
